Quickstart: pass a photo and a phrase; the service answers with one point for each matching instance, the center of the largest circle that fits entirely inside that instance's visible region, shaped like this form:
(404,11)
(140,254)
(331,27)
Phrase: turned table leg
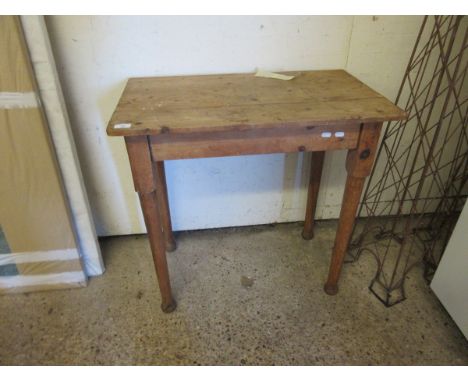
(163,202)
(145,183)
(316,165)
(358,166)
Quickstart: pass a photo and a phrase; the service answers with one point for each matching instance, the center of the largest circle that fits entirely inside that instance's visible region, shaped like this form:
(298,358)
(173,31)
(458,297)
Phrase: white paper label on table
(277,76)
(122,126)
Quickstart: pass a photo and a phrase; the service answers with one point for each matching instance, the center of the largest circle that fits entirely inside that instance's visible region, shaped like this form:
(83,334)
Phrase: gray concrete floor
(245,296)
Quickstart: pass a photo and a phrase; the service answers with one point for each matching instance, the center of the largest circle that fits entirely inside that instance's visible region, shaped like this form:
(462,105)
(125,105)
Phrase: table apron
(248,142)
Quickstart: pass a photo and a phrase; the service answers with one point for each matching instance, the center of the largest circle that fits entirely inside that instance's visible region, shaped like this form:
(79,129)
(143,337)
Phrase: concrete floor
(245,296)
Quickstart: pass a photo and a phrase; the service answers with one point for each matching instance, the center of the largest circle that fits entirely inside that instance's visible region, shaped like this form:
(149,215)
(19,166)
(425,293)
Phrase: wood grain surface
(227,102)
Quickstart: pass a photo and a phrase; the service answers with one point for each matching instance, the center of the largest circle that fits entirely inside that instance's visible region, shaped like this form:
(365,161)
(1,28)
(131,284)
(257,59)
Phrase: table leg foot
(170,307)
(171,246)
(330,289)
(307,235)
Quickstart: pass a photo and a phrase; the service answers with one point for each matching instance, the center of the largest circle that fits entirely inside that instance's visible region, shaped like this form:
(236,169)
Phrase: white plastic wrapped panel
(38,244)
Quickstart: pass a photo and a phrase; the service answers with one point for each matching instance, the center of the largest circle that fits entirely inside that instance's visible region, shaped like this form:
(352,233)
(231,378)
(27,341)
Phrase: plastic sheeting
(37,230)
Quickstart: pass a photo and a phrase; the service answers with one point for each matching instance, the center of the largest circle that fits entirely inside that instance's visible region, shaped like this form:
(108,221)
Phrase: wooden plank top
(226,102)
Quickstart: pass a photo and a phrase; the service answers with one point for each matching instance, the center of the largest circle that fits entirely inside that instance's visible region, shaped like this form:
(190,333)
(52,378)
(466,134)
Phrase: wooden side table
(166,118)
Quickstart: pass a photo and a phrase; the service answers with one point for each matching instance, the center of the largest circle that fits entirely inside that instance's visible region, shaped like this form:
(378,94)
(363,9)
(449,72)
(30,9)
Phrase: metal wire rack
(420,178)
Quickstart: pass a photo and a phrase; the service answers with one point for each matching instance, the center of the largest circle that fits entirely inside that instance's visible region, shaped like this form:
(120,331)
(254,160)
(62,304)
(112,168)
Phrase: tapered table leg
(145,182)
(358,165)
(156,238)
(163,202)
(349,207)
(316,165)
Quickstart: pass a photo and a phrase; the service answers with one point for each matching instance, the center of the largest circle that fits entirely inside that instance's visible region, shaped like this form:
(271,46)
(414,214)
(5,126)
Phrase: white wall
(95,56)
(450,282)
